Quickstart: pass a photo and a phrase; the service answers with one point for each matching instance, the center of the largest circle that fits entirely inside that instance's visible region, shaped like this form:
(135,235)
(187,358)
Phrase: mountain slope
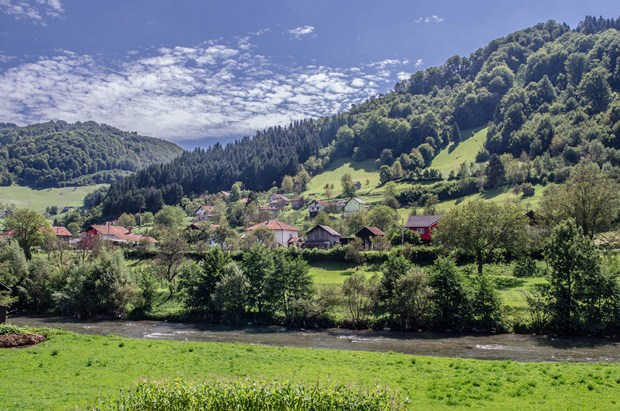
(548,94)
(57,154)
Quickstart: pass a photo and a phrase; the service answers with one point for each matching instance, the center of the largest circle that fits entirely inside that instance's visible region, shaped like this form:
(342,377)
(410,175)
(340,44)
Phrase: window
(420,231)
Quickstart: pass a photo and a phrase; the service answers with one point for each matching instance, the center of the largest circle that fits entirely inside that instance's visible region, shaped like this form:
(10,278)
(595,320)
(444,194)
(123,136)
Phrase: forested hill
(57,154)
(548,94)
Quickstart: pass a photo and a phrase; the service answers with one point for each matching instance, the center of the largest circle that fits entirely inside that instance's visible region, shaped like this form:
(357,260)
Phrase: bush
(181,396)
(525,267)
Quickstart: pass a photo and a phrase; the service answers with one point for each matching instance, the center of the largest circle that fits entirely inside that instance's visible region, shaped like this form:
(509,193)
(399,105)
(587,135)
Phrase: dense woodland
(548,94)
(58,154)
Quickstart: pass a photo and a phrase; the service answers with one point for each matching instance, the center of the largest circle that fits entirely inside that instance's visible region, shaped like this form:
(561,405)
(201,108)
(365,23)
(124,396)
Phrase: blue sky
(189,70)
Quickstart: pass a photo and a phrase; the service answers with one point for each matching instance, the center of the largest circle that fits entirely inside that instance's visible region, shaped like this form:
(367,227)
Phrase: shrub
(181,396)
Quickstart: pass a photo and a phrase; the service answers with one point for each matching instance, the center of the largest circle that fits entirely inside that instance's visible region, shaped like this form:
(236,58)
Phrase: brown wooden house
(323,237)
(367,234)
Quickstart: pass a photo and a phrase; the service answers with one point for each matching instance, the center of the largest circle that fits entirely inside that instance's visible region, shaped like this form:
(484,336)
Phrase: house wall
(322,235)
(282,236)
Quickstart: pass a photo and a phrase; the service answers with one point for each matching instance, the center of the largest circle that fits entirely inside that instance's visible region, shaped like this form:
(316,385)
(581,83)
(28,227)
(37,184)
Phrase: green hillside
(359,170)
(58,154)
(451,157)
(38,200)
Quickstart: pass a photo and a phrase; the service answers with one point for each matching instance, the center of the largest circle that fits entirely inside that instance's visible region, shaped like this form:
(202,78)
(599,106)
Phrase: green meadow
(39,199)
(72,371)
(451,157)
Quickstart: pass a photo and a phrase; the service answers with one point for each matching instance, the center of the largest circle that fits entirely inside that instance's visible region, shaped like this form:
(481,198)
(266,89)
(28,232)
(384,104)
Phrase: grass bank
(71,370)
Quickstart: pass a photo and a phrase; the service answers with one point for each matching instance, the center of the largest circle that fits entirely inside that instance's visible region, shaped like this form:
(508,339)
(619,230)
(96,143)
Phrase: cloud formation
(34,10)
(184,93)
(299,32)
(419,63)
(430,19)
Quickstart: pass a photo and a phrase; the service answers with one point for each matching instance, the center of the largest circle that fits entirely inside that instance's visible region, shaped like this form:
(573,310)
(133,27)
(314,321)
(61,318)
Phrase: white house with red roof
(282,232)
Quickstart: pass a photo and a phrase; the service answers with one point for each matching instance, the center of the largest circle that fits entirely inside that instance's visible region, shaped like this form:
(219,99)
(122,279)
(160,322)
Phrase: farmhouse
(315,207)
(282,232)
(423,225)
(323,237)
(204,213)
(62,233)
(114,234)
(278,200)
(354,205)
(367,234)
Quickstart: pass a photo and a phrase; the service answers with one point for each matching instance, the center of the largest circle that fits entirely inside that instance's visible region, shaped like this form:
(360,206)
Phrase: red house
(423,225)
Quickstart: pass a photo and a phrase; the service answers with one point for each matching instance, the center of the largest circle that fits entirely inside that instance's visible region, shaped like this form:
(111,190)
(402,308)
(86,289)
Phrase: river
(516,347)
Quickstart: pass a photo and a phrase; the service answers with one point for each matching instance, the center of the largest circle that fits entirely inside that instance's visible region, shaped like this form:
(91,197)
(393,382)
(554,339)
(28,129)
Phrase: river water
(516,347)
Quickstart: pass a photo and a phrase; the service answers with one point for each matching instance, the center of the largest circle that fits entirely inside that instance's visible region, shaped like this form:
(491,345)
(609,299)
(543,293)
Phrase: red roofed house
(115,234)
(316,206)
(423,225)
(278,200)
(204,213)
(367,233)
(282,232)
(62,233)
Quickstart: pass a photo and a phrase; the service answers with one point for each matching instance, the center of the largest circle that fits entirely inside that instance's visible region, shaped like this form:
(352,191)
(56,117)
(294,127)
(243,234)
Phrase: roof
(373,230)
(357,199)
(121,233)
(323,203)
(208,208)
(268,208)
(61,231)
(327,228)
(422,221)
(280,196)
(274,225)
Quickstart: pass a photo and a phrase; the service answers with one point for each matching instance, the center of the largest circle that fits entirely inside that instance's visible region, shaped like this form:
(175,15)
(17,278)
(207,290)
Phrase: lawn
(39,199)
(451,157)
(335,273)
(71,370)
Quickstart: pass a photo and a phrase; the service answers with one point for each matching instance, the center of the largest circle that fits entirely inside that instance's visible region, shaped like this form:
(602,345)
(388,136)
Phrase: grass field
(71,370)
(38,200)
(329,273)
(451,157)
(359,170)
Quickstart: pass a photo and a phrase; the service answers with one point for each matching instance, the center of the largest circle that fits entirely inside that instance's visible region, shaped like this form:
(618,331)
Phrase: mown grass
(71,370)
(451,157)
(38,200)
(332,273)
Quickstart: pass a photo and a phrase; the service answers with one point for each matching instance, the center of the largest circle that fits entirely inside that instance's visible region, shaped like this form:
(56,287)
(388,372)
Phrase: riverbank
(515,347)
(72,370)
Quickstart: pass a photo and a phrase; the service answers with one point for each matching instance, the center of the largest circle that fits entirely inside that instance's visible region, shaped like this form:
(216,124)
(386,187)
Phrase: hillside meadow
(74,371)
(39,199)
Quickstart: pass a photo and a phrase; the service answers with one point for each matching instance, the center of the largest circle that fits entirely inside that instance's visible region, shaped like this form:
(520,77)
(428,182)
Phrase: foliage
(231,294)
(450,297)
(359,294)
(580,296)
(171,217)
(29,229)
(249,396)
(199,282)
(481,229)
(486,303)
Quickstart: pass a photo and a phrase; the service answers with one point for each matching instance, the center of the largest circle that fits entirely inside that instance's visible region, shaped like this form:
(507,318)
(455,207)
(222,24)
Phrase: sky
(198,71)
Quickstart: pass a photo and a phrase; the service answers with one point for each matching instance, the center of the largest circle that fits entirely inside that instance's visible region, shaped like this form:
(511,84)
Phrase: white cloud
(403,75)
(34,10)
(299,32)
(184,93)
(419,63)
(430,19)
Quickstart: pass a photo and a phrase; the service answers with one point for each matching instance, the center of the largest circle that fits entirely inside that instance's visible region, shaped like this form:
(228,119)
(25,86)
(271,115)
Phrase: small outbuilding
(367,234)
(323,237)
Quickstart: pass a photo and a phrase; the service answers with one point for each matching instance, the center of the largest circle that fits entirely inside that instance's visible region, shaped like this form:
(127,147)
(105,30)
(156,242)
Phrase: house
(282,232)
(367,234)
(297,202)
(272,211)
(205,213)
(278,200)
(315,207)
(62,233)
(115,234)
(423,225)
(323,237)
(354,205)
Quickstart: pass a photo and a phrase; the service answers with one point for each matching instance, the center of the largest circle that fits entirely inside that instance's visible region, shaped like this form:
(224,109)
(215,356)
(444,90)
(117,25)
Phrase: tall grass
(249,396)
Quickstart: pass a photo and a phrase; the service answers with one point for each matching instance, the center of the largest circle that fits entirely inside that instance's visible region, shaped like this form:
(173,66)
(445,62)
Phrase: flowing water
(516,347)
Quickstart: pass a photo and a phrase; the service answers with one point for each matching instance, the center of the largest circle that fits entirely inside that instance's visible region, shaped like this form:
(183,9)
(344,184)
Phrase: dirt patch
(20,340)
